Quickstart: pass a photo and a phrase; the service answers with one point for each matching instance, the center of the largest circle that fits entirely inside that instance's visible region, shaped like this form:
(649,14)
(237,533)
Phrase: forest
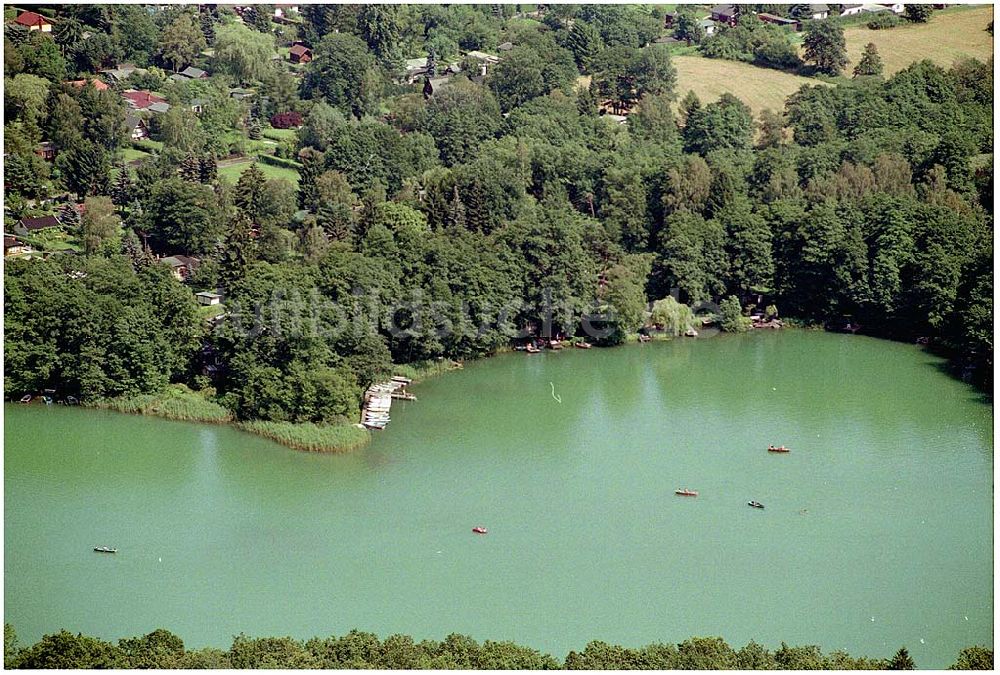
(541,171)
(361,650)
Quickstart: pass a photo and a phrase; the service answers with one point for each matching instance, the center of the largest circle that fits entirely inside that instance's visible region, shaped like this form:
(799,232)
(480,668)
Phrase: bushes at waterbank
(308,436)
(176,402)
(360,650)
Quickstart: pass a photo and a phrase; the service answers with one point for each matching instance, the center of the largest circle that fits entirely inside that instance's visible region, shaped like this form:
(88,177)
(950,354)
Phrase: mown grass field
(949,36)
(759,88)
(231,172)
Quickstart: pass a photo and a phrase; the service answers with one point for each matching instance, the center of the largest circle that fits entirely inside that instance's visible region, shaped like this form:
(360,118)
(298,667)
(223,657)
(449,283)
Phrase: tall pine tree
(312,167)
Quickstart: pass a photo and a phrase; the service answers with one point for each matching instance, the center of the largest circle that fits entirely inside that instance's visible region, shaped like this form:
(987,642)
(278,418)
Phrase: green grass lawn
(131,154)
(232,172)
(280,134)
(210,311)
(53,239)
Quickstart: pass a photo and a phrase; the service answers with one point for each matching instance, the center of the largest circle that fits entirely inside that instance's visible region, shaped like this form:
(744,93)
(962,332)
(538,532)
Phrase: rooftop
(31,19)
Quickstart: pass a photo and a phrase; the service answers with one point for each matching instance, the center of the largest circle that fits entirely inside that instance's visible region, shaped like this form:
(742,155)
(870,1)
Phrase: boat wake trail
(557,398)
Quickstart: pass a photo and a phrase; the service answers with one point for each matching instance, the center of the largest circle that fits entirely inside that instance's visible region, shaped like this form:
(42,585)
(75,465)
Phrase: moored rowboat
(686,493)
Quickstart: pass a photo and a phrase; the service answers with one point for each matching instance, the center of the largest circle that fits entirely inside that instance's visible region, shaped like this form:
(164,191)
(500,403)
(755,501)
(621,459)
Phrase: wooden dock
(378,401)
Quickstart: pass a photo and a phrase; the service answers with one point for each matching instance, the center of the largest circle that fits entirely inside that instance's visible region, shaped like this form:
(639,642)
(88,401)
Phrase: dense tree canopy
(482,203)
(162,649)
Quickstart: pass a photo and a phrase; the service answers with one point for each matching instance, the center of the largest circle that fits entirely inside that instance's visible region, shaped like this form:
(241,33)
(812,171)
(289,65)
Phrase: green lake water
(877,531)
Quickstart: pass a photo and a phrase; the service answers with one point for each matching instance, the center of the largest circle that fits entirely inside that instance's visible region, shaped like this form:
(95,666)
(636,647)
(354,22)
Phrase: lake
(877,531)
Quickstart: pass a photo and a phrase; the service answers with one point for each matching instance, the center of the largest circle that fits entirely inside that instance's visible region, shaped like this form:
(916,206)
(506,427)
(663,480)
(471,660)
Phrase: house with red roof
(140,99)
(34,21)
(80,84)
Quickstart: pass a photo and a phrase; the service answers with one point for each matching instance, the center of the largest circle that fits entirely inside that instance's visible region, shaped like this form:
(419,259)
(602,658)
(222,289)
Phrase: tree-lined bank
(359,650)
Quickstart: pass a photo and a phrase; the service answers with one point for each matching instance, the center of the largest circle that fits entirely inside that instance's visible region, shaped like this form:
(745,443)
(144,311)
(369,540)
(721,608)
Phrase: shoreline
(179,403)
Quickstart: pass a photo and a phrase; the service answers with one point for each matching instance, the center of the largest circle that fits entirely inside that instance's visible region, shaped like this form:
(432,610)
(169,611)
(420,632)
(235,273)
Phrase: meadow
(759,88)
(949,36)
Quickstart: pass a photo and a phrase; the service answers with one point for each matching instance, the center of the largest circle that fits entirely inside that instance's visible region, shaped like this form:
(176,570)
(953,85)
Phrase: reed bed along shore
(310,437)
(176,402)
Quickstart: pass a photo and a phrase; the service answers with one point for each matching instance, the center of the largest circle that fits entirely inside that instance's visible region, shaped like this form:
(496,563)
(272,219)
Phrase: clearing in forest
(948,37)
(758,87)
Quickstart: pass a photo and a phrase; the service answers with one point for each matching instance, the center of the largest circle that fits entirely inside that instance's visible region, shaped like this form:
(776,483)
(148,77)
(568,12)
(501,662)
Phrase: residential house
(197,105)
(819,12)
(13,246)
(181,266)
(300,54)
(80,84)
(46,150)
(137,128)
(29,226)
(708,25)
(194,73)
(727,14)
(141,99)
(486,61)
(240,94)
(282,11)
(34,21)
(206,298)
(122,71)
(868,8)
(415,69)
(898,7)
(794,24)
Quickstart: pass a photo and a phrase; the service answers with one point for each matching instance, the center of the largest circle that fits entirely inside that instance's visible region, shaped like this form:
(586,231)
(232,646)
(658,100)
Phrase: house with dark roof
(782,21)
(34,21)
(46,150)
(182,266)
(14,246)
(159,107)
(300,54)
(122,71)
(29,226)
(727,14)
(141,99)
(137,128)
(193,73)
(819,12)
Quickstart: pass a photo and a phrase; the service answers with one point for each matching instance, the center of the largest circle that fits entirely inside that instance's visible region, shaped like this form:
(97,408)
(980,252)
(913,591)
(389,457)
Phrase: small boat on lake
(105,549)
(479,529)
(644,338)
(532,349)
(690,332)
(555,344)
(583,345)
(780,448)
(756,505)
(26,398)
(686,493)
